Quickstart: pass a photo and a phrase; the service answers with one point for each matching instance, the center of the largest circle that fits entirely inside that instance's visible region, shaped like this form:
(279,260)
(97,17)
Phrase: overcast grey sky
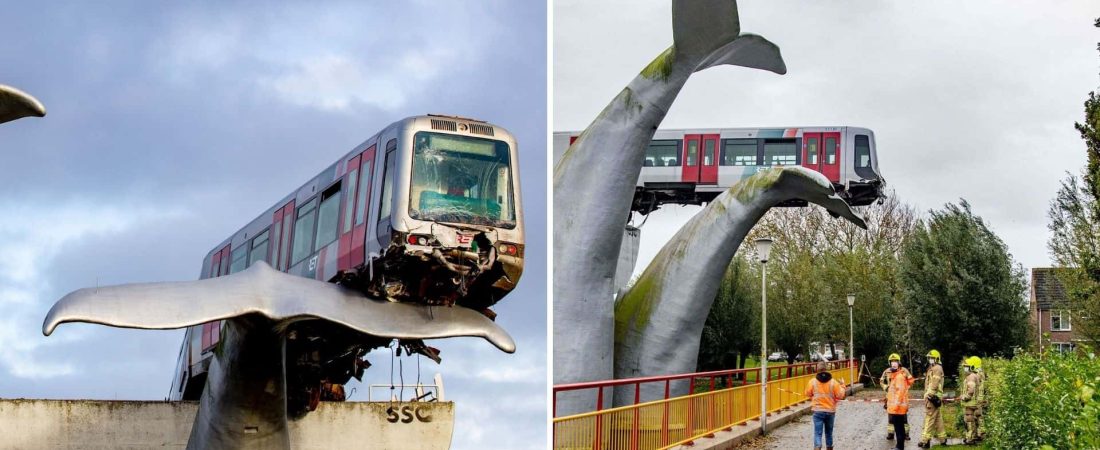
(169,126)
(971,99)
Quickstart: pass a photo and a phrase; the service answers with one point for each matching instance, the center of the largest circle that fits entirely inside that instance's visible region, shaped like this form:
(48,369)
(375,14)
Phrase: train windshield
(461,179)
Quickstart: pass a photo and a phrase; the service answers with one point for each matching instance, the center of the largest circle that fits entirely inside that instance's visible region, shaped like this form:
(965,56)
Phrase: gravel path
(859,424)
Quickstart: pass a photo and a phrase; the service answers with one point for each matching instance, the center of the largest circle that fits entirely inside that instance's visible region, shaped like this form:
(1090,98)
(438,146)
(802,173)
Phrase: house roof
(1047,288)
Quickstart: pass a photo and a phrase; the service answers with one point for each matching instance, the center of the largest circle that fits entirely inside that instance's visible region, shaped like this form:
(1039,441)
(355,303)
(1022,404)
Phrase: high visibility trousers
(971,418)
(932,421)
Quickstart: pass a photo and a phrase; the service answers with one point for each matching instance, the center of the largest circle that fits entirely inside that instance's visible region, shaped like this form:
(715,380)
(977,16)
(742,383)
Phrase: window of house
(1062,347)
(739,152)
(780,152)
(239,258)
(260,244)
(1059,320)
(663,153)
(863,151)
(328,216)
(303,231)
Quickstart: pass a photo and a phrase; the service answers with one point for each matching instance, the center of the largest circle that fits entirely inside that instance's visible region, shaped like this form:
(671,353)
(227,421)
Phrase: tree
(732,331)
(963,292)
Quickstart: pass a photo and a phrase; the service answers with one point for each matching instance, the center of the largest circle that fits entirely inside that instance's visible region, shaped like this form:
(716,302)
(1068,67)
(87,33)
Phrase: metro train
(427,210)
(692,166)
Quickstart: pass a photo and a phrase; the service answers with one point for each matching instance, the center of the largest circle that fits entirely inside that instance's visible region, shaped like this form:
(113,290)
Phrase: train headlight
(415,239)
(508,249)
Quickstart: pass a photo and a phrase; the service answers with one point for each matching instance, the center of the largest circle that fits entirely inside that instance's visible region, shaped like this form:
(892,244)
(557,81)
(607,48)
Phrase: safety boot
(890,435)
(923,444)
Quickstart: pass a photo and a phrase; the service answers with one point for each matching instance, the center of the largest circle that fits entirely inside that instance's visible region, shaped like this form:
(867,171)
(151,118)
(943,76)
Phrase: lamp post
(763,247)
(851,341)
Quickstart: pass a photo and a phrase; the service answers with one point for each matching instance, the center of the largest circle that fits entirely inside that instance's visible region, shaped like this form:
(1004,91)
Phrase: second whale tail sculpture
(594,182)
(16,104)
(257,379)
(659,320)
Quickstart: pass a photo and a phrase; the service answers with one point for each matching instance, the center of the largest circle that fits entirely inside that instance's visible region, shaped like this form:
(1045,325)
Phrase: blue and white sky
(170,125)
(973,99)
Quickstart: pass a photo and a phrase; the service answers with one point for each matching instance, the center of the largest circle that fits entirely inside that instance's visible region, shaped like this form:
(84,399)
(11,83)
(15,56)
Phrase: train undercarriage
(654,195)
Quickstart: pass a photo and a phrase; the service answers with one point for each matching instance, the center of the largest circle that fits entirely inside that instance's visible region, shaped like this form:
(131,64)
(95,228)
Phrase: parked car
(777,356)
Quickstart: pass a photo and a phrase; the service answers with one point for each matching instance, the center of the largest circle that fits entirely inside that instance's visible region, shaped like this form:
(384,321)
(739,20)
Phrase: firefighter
(894,369)
(897,400)
(969,399)
(933,396)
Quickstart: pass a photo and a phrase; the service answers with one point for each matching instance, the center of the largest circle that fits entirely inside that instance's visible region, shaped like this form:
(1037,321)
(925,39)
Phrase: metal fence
(668,422)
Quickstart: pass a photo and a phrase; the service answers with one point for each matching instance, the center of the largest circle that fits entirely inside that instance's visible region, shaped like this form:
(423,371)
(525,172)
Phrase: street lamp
(763,248)
(851,341)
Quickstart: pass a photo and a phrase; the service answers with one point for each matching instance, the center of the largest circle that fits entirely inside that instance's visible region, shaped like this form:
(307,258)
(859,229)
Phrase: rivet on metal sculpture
(250,391)
(594,182)
(659,320)
(16,104)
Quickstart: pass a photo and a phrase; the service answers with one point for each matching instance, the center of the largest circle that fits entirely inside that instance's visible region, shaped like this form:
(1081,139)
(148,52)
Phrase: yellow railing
(667,423)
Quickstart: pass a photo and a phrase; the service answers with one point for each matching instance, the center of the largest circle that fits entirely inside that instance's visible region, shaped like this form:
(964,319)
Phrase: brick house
(1049,311)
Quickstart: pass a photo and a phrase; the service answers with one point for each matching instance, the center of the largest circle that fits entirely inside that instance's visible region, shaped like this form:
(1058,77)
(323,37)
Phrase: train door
(351,194)
(708,167)
(280,236)
(830,156)
(811,151)
(691,158)
(362,202)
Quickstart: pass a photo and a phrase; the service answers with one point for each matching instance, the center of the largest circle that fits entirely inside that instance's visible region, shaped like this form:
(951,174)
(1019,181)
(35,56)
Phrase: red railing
(731,376)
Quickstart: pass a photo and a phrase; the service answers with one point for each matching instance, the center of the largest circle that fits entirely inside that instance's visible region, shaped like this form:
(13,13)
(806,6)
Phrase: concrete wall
(93,424)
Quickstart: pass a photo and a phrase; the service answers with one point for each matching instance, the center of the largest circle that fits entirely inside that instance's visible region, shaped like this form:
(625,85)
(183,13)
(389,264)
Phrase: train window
(385,200)
(239,258)
(461,179)
(830,150)
(811,150)
(303,231)
(780,152)
(364,189)
(863,151)
(349,211)
(708,152)
(664,153)
(328,216)
(260,244)
(739,152)
(693,149)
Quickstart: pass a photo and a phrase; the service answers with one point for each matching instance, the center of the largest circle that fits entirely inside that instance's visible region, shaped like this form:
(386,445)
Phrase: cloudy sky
(170,126)
(971,100)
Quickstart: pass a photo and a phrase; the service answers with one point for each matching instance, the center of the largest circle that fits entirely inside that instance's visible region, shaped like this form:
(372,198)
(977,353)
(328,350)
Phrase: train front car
(455,235)
(864,184)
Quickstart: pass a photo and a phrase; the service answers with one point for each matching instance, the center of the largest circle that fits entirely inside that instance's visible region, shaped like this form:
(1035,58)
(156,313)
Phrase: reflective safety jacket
(825,392)
(981,396)
(972,386)
(933,381)
(897,391)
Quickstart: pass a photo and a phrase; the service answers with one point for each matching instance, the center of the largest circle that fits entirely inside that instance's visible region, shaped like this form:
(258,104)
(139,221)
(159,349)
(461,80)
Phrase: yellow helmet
(933,354)
(974,362)
(894,357)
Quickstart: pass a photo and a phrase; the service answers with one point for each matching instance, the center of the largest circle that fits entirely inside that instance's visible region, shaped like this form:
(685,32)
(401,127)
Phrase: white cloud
(30,238)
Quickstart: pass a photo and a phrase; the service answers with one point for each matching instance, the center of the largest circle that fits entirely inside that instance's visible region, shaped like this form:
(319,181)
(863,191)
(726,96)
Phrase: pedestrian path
(860,424)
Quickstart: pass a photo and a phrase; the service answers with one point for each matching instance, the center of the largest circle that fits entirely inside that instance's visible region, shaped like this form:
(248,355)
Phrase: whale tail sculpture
(591,209)
(278,327)
(659,320)
(16,104)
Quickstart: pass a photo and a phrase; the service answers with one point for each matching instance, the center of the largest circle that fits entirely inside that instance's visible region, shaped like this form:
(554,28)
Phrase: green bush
(1049,403)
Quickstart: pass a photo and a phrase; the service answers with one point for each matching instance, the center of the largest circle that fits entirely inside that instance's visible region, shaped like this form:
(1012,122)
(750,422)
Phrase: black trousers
(899,421)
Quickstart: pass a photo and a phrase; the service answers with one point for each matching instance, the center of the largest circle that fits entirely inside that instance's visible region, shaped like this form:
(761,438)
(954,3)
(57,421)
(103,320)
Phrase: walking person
(897,399)
(895,369)
(825,392)
(933,397)
(969,399)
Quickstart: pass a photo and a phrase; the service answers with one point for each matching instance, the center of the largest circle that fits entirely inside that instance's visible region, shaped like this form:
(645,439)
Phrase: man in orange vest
(897,381)
(825,392)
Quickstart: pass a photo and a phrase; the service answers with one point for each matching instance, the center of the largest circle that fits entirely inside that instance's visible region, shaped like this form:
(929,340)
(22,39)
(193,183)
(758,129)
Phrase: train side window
(385,201)
(328,216)
(260,243)
(739,152)
(349,212)
(693,149)
(830,150)
(364,189)
(780,152)
(303,231)
(708,152)
(663,153)
(863,151)
(811,150)
(239,259)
